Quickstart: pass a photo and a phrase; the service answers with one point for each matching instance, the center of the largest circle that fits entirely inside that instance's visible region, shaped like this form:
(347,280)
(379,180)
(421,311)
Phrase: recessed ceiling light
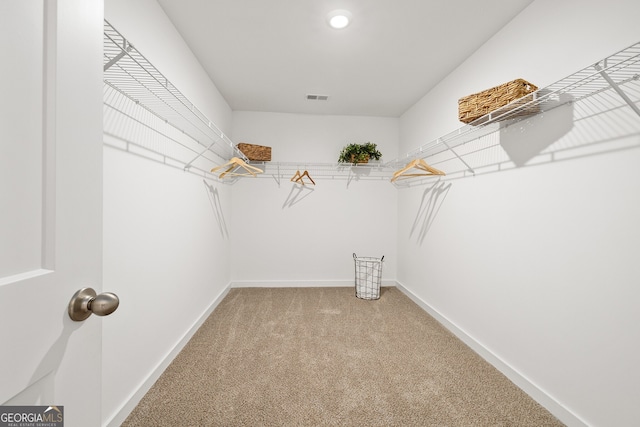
(339,19)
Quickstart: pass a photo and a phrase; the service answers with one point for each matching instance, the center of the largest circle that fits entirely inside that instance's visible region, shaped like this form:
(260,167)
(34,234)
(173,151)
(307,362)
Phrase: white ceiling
(267,55)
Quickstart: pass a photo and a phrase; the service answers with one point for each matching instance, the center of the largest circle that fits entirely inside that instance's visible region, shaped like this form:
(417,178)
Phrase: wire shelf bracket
(615,86)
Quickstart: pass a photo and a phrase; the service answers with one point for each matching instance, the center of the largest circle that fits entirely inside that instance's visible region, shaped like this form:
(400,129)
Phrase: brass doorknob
(86,301)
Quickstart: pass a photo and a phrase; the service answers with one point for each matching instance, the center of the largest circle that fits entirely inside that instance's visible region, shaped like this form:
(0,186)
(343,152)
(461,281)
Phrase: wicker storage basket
(477,105)
(255,152)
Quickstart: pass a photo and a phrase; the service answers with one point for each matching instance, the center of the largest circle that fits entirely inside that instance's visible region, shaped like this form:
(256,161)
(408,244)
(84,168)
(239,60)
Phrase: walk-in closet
(192,163)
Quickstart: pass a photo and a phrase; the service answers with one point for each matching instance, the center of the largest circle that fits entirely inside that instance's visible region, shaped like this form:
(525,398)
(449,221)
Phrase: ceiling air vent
(313,97)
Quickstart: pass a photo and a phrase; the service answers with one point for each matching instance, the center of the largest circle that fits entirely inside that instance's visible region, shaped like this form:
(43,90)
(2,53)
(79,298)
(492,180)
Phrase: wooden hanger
(416,164)
(235,163)
(297,177)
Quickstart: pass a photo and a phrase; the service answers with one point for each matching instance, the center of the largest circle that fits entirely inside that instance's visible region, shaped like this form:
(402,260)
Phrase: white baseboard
(536,393)
(144,387)
(300,283)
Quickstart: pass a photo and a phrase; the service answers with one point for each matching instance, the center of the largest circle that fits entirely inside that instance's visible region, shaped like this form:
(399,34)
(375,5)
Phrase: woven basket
(477,105)
(354,161)
(255,152)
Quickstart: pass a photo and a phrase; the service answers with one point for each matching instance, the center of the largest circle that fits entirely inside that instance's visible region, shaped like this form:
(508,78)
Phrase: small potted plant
(359,153)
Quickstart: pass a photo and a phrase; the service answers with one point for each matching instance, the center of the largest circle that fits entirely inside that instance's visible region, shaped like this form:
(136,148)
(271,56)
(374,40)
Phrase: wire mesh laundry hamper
(368,276)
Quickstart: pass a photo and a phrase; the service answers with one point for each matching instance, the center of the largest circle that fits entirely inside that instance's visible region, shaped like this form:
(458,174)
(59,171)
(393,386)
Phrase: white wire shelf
(611,84)
(137,93)
(374,170)
(129,73)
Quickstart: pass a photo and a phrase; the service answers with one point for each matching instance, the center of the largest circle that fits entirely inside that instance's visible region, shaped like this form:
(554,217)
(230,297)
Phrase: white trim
(146,385)
(535,392)
(300,283)
(24,276)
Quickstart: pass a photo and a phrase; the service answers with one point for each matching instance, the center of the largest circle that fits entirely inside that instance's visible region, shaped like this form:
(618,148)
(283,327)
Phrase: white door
(50,203)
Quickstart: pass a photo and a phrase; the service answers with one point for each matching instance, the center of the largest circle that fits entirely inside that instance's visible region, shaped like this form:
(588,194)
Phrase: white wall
(166,241)
(536,267)
(285,235)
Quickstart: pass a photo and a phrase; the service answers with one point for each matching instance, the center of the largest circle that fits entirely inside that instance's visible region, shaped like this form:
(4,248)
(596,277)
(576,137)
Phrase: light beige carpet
(322,357)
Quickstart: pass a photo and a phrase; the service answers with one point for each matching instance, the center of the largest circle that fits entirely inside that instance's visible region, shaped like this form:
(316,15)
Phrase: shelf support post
(615,87)
(125,49)
(459,158)
(188,165)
